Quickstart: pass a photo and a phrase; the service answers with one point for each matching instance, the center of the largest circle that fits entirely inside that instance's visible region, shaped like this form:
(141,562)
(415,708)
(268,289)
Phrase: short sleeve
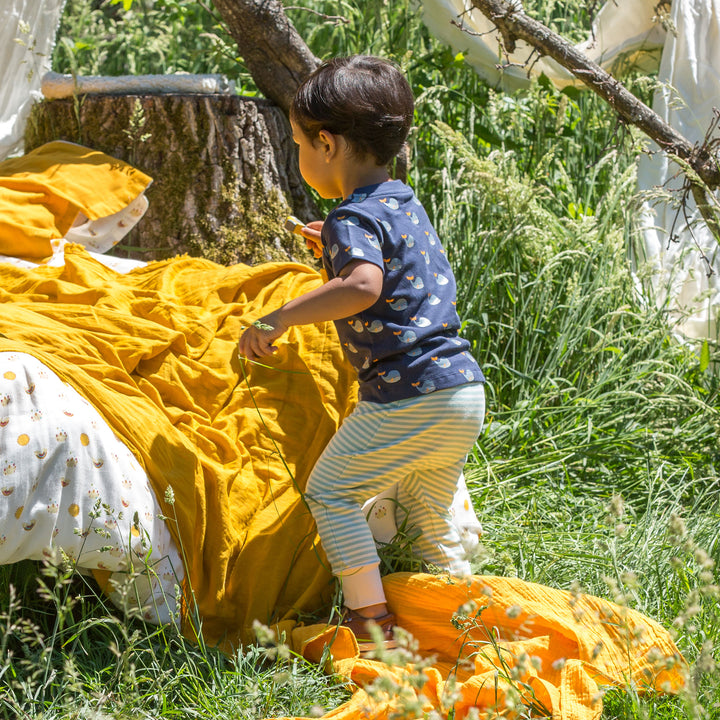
(351,236)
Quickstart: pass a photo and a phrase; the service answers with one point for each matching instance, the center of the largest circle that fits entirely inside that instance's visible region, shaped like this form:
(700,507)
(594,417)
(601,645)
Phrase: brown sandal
(360,627)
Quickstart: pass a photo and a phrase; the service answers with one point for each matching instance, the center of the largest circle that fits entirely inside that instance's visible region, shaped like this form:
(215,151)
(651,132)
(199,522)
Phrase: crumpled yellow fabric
(499,645)
(155,352)
(42,192)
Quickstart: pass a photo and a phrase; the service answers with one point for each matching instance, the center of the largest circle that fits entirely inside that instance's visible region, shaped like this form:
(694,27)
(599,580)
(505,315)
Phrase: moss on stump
(224,170)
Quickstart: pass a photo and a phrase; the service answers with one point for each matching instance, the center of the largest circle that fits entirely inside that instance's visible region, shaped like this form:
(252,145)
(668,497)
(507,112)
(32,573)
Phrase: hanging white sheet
(27,36)
(683,255)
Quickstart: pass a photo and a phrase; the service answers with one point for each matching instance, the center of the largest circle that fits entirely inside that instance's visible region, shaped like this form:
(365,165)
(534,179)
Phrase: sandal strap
(358,624)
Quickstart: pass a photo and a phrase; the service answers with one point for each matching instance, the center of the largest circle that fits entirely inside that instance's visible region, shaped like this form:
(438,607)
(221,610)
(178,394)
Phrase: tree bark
(513,24)
(276,56)
(224,170)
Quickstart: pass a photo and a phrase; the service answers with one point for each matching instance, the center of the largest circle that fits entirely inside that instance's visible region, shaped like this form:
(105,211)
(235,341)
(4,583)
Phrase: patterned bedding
(71,491)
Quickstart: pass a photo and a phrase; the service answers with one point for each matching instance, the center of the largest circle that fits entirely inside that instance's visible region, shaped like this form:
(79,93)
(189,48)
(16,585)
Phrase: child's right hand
(311,233)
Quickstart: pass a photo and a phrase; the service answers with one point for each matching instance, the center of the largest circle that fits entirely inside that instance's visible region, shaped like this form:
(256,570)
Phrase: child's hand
(257,340)
(311,233)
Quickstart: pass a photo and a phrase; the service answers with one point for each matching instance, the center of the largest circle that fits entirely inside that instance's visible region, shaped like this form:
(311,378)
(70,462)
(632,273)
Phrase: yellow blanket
(503,646)
(155,352)
(41,194)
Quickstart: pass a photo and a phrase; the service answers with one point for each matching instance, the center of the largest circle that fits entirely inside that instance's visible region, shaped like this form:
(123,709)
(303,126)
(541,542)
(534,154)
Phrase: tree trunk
(224,170)
(276,56)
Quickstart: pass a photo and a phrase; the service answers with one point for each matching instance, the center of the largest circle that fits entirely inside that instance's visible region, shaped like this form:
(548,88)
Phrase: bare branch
(276,56)
(513,24)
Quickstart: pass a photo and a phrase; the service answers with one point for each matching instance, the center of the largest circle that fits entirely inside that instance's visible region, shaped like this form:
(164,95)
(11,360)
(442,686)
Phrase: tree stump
(224,170)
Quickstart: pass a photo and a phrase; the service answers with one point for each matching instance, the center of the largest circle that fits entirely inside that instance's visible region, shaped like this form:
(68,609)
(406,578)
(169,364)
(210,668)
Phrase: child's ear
(329,144)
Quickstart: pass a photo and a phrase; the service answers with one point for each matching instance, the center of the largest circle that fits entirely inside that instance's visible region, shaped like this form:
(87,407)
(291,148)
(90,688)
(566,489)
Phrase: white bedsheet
(27,37)
(69,487)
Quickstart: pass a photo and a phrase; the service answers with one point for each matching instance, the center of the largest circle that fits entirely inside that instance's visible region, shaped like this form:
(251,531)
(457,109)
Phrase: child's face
(317,164)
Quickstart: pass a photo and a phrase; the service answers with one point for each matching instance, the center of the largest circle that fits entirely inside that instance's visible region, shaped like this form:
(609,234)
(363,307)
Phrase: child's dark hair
(365,99)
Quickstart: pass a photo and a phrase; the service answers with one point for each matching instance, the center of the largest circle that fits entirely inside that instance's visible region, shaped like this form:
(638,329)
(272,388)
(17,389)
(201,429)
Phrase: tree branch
(513,24)
(276,56)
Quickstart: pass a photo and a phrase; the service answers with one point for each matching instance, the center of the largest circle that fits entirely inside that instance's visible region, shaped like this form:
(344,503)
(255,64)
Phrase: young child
(391,293)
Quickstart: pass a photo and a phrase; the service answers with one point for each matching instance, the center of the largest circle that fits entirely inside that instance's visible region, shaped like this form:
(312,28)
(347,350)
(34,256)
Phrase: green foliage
(136,37)
(66,654)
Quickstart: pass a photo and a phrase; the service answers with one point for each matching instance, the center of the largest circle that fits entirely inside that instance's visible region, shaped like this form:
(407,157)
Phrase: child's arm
(355,289)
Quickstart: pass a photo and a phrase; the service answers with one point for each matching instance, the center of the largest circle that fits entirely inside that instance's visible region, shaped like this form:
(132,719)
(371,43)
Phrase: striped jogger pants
(420,444)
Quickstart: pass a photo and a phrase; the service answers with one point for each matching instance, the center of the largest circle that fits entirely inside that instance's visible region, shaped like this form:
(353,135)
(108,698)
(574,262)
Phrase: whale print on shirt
(433,299)
(409,240)
(392,377)
(373,241)
(393,263)
(425,387)
(416,282)
(392,203)
(375,326)
(441,279)
(420,321)
(441,362)
(399,305)
(356,325)
(408,336)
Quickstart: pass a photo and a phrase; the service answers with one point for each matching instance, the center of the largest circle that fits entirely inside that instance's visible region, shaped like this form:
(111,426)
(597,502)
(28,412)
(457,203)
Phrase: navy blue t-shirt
(407,343)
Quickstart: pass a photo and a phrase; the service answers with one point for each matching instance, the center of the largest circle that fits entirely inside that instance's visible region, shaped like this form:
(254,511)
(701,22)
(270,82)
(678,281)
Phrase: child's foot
(360,627)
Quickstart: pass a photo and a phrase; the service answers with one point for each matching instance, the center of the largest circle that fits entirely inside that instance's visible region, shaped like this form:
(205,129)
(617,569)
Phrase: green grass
(67,654)
(597,468)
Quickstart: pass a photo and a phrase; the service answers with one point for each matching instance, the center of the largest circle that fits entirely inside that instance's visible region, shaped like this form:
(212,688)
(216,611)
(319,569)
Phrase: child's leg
(362,588)
(432,499)
(341,482)
(380,513)
(377,446)
(425,499)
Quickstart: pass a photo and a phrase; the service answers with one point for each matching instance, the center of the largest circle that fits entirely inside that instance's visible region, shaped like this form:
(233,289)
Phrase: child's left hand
(311,233)
(257,340)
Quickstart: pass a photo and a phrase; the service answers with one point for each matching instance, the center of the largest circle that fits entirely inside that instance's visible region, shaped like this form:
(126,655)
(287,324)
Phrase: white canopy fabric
(27,36)
(690,73)
(688,62)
